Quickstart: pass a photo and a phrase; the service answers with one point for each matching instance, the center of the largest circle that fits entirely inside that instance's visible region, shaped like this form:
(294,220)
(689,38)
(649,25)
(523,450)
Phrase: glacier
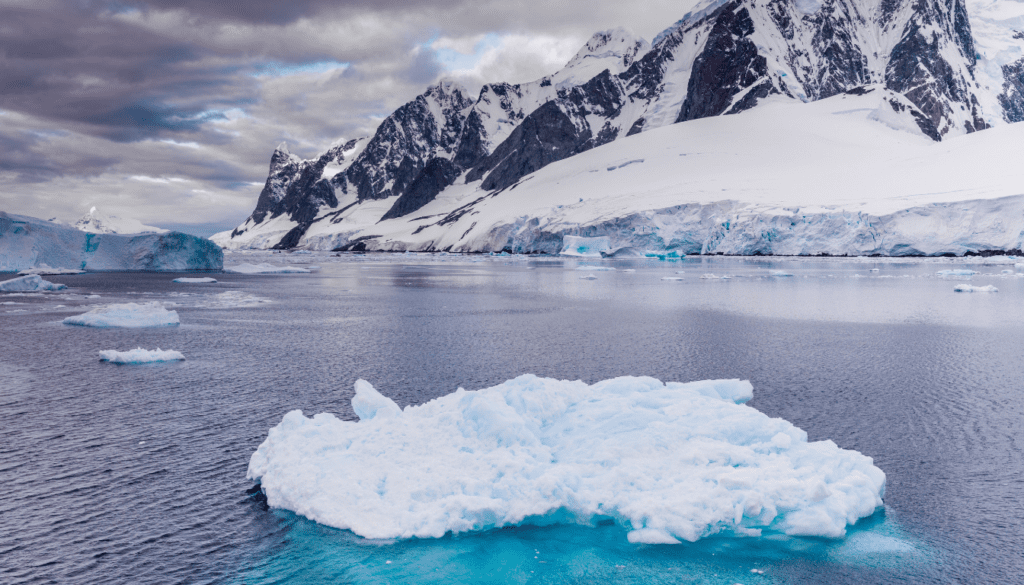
(32,282)
(140,356)
(130,315)
(670,462)
(28,243)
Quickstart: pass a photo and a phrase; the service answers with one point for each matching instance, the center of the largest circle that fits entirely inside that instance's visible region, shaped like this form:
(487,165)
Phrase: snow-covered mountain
(914,67)
(97,222)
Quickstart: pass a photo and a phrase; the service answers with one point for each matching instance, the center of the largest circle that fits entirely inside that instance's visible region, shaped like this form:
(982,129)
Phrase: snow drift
(669,462)
(127,315)
(27,243)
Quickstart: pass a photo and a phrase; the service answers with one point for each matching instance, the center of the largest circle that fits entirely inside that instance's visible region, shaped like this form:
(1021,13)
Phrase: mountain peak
(613,44)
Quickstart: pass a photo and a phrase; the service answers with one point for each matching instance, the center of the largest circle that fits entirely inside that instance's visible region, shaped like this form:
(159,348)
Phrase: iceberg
(971,288)
(27,243)
(32,282)
(140,356)
(204,280)
(670,462)
(126,315)
(265,269)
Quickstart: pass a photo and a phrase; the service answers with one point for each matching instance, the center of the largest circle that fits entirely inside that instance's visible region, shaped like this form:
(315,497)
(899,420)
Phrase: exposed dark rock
(435,176)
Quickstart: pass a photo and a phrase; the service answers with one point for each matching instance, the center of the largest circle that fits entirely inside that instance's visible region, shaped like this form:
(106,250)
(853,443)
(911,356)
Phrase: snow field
(669,462)
(140,356)
(126,315)
(32,282)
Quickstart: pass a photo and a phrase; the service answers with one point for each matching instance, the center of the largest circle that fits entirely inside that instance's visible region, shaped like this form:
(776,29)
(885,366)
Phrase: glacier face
(929,72)
(27,243)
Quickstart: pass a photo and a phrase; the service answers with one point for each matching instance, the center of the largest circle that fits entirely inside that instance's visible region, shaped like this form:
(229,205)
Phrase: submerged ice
(669,462)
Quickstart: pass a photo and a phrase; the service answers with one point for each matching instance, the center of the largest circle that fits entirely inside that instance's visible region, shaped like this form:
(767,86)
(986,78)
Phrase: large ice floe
(669,462)
(32,282)
(27,243)
(140,356)
(247,268)
(127,315)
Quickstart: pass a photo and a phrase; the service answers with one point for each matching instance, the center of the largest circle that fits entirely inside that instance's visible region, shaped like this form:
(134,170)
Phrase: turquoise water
(310,553)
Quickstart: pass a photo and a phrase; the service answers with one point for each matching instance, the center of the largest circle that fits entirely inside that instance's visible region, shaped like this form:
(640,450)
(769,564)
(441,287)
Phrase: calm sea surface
(136,474)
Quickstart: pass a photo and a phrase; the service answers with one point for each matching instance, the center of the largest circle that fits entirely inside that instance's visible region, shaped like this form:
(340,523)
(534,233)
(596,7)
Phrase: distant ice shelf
(669,462)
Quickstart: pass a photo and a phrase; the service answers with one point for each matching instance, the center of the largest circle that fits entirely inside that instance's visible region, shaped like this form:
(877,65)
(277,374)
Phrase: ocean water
(136,474)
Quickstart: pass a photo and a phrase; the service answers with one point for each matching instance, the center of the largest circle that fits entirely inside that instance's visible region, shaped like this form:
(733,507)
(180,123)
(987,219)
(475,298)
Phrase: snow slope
(843,175)
(669,462)
(97,222)
(27,242)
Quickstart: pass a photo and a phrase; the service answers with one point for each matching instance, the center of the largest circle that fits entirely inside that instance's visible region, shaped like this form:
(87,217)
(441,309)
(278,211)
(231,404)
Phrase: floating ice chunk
(44,270)
(127,315)
(780,273)
(873,270)
(588,277)
(970,288)
(956,272)
(669,462)
(32,282)
(672,278)
(140,356)
(1007,272)
(265,269)
(595,268)
(205,280)
(580,246)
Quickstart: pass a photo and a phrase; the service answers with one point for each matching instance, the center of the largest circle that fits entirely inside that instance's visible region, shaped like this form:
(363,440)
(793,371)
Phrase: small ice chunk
(204,280)
(127,315)
(780,273)
(709,276)
(595,268)
(588,277)
(671,278)
(30,283)
(956,272)
(872,270)
(265,269)
(972,289)
(1007,272)
(140,356)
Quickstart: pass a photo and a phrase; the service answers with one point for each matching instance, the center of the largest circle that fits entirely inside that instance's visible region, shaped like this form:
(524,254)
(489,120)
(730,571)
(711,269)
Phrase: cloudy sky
(167,111)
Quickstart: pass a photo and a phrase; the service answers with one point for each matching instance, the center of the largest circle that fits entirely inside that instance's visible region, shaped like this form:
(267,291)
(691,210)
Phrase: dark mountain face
(723,58)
